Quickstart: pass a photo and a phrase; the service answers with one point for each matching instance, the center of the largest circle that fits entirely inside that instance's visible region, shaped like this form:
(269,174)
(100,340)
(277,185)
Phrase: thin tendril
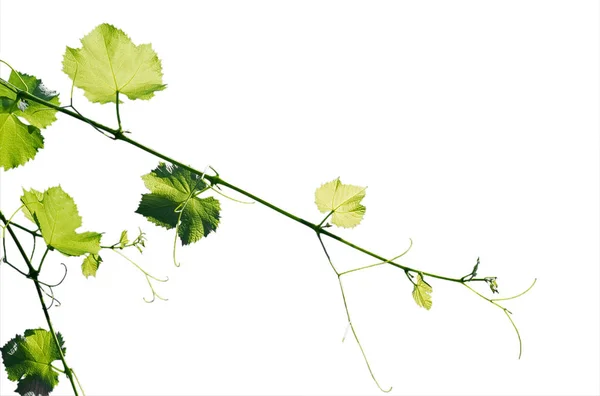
(180,210)
(518,295)
(51,295)
(33,248)
(380,263)
(60,282)
(17,74)
(358,341)
(506,311)
(78,383)
(148,277)
(350,320)
(10,220)
(4,260)
(233,199)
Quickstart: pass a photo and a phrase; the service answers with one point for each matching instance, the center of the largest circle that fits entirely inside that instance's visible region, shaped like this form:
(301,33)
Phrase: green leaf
(123,240)
(56,215)
(422,293)
(173,202)
(33,385)
(28,359)
(19,143)
(35,113)
(343,200)
(108,62)
(90,265)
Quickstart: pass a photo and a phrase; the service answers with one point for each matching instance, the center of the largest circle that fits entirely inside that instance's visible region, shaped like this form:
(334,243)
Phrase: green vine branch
(33,275)
(216,181)
(175,188)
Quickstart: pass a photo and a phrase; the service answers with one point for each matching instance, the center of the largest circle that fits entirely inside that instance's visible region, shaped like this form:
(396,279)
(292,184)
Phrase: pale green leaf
(173,203)
(90,265)
(108,62)
(343,200)
(19,143)
(422,293)
(123,240)
(56,215)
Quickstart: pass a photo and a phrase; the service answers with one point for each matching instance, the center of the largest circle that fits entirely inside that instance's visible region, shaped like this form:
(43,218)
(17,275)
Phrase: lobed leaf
(422,293)
(90,265)
(56,215)
(28,359)
(343,201)
(173,202)
(108,62)
(20,142)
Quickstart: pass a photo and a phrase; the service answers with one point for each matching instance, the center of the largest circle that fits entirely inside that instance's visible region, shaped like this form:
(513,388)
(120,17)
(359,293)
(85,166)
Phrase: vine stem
(33,274)
(119,134)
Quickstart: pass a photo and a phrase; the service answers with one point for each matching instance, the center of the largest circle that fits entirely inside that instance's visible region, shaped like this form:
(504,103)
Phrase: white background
(474,125)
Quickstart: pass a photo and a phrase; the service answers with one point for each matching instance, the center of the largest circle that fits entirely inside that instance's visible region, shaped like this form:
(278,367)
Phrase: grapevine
(109,67)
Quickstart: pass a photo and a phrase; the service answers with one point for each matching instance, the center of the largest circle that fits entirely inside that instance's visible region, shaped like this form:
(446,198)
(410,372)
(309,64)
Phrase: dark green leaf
(173,202)
(29,358)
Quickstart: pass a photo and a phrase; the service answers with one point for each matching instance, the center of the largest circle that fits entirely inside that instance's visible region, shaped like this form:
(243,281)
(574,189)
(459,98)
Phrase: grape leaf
(343,200)
(173,203)
(28,359)
(35,113)
(56,215)
(123,240)
(108,62)
(90,265)
(19,143)
(422,293)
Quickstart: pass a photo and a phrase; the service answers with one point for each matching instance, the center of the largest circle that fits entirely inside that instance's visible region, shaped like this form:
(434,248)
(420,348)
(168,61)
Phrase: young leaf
(28,359)
(343,200)
(123,240)
(108,62)
(173,200)
(422,293)
(36,114)
(56,215)
(493,284)
(90,265)
(474,272)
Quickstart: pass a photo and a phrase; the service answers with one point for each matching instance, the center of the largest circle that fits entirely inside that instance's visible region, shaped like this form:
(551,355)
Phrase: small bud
(493,284)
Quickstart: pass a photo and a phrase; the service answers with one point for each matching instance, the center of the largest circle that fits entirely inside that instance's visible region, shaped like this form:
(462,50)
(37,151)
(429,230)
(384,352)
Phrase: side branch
(33,274)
